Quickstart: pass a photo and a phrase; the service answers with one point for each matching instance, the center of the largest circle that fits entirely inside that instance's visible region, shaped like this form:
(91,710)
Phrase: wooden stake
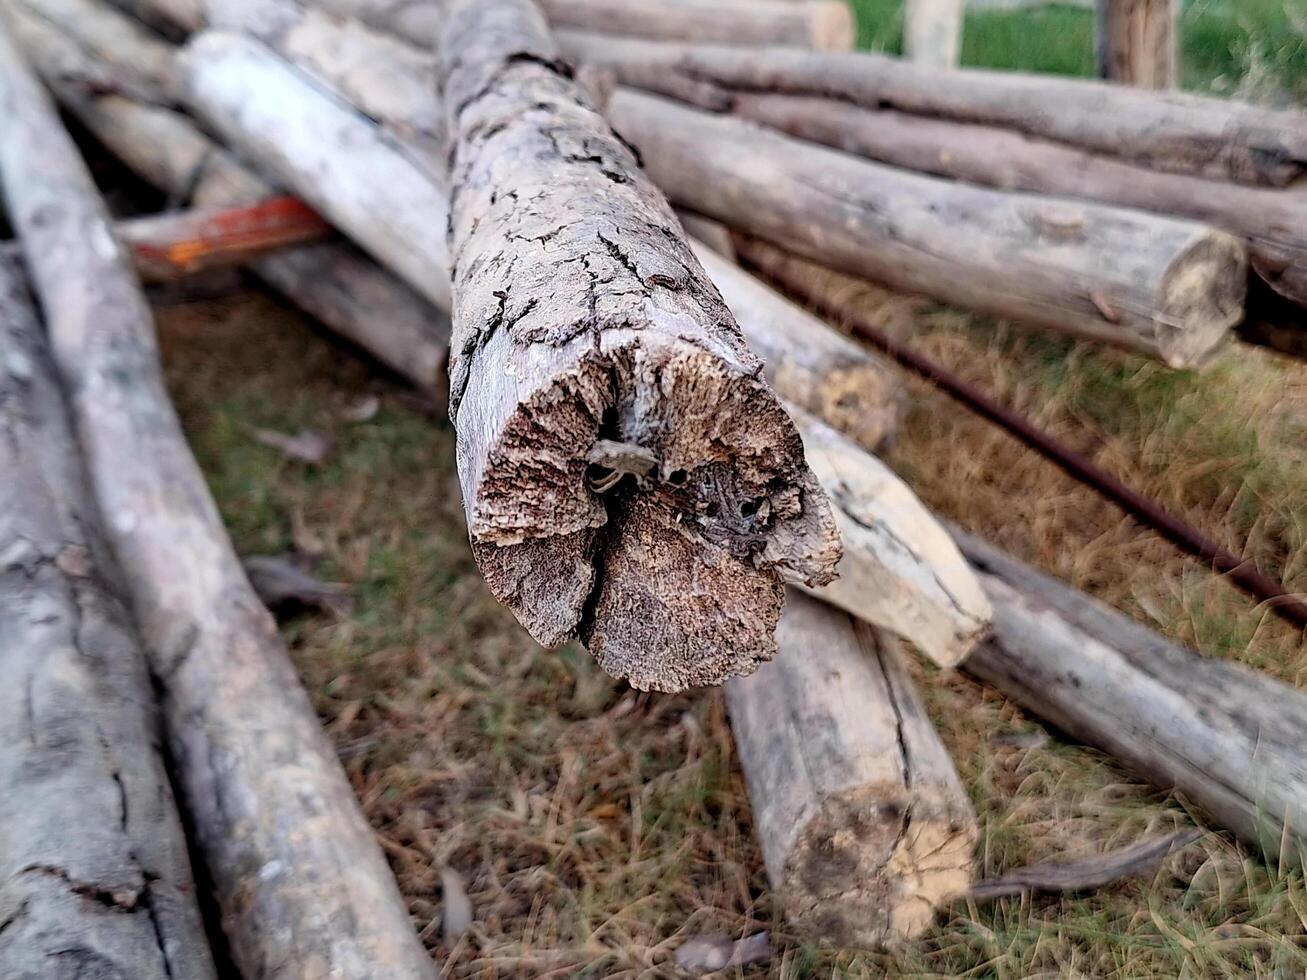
(1168,288)
(93,861)
(614,438)
(298,875)
(932,32)
(1136,42)
(864,824)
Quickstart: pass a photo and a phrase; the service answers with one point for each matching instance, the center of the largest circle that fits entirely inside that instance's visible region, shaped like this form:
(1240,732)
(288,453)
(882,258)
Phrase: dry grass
(597,828)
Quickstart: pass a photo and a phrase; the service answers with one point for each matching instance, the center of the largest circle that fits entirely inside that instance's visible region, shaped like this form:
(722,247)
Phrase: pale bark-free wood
(1271,221)
(298,876)
(818,24)
(1160,286)
(1169,131)
(900,569)
(94,875)
(1228,738)
(343,289)
(932,32)
(589,343)
(1136,42)
(864,825)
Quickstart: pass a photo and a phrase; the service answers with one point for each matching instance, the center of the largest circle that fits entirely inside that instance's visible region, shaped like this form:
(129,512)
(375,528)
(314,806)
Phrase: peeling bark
(1228,738)
(299,878)
(342,288)
(1172,132)
(864,825)
(588,344)
(93,861)
(1164,287)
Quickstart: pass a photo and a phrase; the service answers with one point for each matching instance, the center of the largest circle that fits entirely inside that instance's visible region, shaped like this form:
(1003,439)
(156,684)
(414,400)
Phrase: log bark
(1271,221)
(1173,132)
(1136,42)
(1226,737)
(819,24)
(298,875)
(335,283)
(932,32)
(614,436)
(93,863)
(1163,287)
(823,25)
(900,571)
(864,825)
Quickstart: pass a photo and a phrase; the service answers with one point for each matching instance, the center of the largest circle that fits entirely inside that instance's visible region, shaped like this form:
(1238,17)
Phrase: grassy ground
(597,828)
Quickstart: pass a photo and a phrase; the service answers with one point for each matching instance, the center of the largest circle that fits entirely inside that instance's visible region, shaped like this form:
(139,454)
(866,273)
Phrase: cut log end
(871,869)
(651,501)
(1202,297)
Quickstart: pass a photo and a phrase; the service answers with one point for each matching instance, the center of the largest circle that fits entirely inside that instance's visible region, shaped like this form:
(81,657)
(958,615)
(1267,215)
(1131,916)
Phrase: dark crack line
(125,900)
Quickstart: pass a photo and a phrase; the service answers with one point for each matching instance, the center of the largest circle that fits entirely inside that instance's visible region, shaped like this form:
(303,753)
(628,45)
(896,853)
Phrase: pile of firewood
(659,456)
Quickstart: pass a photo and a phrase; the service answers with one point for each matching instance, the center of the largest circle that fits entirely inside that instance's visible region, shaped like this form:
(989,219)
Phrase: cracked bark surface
(1169,131)
(299,879)
(900,571)
(1161,286)
(864,824)
(581,315)
(334,282)
(1229,738)
(94,872)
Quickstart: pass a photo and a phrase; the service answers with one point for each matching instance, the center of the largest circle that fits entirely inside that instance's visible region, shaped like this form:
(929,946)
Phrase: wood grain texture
(347,292)
(1169,131)
(589,348)
(1136,42)
(1271,221)
(94,875)
(901,571)
(864,825)
(1164,287)
(298,876)
(1226,737)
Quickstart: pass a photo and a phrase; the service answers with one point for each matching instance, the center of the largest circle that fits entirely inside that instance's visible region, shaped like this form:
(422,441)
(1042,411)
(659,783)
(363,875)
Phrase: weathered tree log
(1169,131)
(932,32)
(93,863)
(298,876)
(819,24)
(900,571)
(1160,286)
(335,283)
(1272,221)
(1136,42)
(614,437)
(1228,738)
(823,25)
(864,825)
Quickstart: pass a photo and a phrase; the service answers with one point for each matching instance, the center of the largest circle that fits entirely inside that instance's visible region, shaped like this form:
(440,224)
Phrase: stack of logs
(657,453)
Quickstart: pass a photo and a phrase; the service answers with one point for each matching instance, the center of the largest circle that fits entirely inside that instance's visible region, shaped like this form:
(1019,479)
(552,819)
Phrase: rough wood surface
(932,32)
(1215,138)
(1136,42)
(1271,221)
(94,875)
(1228,738)
(1164,287)
(900,571)
(298,876)
(614,437)
(823,25)
(864,825)
(335,283)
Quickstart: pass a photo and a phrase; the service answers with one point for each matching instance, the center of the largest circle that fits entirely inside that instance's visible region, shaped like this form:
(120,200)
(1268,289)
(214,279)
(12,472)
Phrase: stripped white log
(93,863)
(865,827)
(1167,288)
(298,876)
(932,32)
